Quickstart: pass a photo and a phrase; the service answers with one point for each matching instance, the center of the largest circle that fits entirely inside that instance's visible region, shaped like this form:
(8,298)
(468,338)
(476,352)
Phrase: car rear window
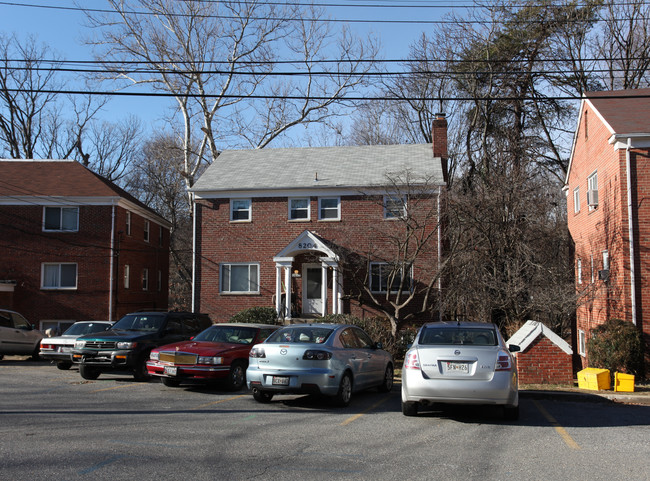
(81,328)
(317,335)
(141,322)
(457,336)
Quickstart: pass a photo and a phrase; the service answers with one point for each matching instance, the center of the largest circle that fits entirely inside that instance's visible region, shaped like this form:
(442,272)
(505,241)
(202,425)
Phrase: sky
(64,31)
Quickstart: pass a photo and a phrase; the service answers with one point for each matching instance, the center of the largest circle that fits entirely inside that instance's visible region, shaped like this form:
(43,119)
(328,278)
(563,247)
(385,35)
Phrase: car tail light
(412,361)
(503,362)
(46,346)
(317,355)
(257,352)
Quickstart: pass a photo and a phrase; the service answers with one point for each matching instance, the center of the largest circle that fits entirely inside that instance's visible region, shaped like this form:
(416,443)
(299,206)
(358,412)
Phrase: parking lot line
(219,401)
(560,430)
(357,416)
(114,387)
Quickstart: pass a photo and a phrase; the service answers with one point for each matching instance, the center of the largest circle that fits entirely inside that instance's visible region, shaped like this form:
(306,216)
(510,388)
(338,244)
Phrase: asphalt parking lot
(55,425)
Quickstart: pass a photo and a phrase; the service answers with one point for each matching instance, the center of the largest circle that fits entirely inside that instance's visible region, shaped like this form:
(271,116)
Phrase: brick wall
(543,362)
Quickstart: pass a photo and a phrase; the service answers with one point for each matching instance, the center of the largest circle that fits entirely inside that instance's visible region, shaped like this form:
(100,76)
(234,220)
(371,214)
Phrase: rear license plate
(280,381)
(171,370)
(457,367)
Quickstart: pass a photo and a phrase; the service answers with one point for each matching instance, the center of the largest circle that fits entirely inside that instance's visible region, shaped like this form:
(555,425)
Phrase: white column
(278,291)
(323,288)
(336,295)
(287,287)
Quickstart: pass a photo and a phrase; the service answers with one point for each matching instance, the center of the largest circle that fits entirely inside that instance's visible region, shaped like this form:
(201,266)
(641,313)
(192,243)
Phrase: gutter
(192,196)
(112,267)
(630,224)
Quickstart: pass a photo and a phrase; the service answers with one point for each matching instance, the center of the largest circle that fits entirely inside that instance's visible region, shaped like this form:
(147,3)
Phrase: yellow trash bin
(623,382)
(594,379)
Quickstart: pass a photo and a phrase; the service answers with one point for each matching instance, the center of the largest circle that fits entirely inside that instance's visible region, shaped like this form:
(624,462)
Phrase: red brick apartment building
(314,228)
(608,200)
(75,246)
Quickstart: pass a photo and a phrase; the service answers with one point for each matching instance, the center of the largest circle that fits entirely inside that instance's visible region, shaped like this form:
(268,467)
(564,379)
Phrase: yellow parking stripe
(219,401)
(357,416)
(115,387)
(560,430)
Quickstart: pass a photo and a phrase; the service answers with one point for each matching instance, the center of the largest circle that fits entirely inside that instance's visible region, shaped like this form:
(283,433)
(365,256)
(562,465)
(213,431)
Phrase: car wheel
(262,396)
(2,357)
(64,366)
(36,354)
(169,382)
(387,383)
(410,408)
(511,413)
(237,376)
(89,372)
(140,373)
(344,395)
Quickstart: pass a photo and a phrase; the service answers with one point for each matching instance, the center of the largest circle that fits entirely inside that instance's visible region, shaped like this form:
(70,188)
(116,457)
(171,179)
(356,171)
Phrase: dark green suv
(126,346)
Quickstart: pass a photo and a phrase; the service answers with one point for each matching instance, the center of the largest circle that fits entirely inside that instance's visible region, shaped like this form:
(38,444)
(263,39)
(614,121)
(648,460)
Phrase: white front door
(312,282)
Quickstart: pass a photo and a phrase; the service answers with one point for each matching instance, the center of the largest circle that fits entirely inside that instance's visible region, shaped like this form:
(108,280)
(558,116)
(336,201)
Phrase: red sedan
(218,353)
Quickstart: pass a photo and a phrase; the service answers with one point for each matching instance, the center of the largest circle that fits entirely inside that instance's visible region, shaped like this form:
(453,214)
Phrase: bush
(616,345)
(378,328)
(256,315)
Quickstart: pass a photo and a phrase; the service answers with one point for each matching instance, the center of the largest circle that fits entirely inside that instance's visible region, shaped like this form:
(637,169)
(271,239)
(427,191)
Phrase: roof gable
(531,330)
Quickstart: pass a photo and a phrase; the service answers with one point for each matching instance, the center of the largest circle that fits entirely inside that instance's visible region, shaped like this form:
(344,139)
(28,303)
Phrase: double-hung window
(145,279)
(299,208)
(592,191)
(329,208)
(240,278)
(240,210)
(147,229)
(59,276)
(394,207)
(385,276)
(579,269)
(128,223)
(61,219)
(127,276)
(576,200)
(582,342)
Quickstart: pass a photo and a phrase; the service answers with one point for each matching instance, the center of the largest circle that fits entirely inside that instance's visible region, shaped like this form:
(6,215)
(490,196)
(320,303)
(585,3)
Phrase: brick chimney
(439,141)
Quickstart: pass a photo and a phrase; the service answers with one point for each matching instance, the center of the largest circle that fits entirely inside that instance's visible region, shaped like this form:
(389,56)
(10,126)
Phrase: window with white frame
(299,208)
(394,207)
(329,208)
(127,276)
(576,200)
(592,191)
(240,210)
(579,269)
(145,279)
(582,342)
(160,236)
(241,278)
(593,271)
(147,229)
(384,276)
(61,219)
(128,223)
(606,260)
(59,275)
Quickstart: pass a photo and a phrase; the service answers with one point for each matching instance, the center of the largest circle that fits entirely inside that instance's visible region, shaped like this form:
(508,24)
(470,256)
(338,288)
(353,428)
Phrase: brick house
(313,231)
(75,246)
(607,188)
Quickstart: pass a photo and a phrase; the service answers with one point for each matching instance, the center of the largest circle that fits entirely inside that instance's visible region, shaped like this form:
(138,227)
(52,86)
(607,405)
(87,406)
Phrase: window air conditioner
(592,198)
(603,275)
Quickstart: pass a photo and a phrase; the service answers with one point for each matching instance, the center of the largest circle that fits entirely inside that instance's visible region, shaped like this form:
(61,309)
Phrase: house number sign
(307,245)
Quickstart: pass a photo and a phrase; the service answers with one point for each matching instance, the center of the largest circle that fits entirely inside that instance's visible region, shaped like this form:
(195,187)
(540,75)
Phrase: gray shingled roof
(624,110)
(334,167)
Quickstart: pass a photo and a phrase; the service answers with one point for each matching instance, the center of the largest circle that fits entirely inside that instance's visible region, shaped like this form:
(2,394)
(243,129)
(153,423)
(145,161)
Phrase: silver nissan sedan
(330,359)
(460,363)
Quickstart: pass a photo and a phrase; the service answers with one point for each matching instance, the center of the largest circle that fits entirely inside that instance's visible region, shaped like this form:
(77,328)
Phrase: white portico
(313,276)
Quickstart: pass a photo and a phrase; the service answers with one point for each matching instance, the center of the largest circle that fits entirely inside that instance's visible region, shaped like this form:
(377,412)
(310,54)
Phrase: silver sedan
(330,359)
(460,363)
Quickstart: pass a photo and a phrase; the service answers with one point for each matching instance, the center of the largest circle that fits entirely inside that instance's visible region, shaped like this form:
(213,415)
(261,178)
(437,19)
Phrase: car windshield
(317,335)
(140,322)
(238,335)
(457,335)
(81,328)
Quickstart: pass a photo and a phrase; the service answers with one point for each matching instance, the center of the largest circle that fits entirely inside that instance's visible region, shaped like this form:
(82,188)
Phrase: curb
(615,397)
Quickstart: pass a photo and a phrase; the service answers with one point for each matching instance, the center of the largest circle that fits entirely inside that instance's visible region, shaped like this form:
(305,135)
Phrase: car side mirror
(514,348)
(378,345)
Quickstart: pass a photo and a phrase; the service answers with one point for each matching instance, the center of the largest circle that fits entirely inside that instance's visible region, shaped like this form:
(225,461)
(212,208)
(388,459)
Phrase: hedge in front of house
(617,345)
(256,315)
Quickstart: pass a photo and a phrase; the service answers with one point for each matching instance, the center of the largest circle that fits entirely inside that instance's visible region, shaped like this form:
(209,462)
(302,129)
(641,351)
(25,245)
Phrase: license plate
(280,381)
(171,370)
(457,367)
(66,349)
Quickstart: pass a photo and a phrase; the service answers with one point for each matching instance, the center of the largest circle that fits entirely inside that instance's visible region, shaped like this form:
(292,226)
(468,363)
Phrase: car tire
(2,357)
(410,408)
(511,413)
(36,355)
(89,372)
(343,397)
(237,376)
(169,382)
(262,396)
(387,383)
(140,373)
(64,366)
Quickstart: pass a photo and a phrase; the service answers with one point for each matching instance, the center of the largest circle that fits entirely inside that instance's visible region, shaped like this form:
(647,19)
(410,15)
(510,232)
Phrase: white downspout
(112,268)
(193,252)
(439,257)
(630,224)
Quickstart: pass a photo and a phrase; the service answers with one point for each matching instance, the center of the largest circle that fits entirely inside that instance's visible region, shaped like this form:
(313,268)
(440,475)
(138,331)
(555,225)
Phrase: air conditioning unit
(603,275)
(592,198)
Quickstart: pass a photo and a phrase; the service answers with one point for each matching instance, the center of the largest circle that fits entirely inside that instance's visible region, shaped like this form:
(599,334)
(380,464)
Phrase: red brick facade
(601,232)
(543,362)
(100,243)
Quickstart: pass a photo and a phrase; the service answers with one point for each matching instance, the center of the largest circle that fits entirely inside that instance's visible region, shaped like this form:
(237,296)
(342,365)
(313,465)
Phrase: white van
(18,336)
